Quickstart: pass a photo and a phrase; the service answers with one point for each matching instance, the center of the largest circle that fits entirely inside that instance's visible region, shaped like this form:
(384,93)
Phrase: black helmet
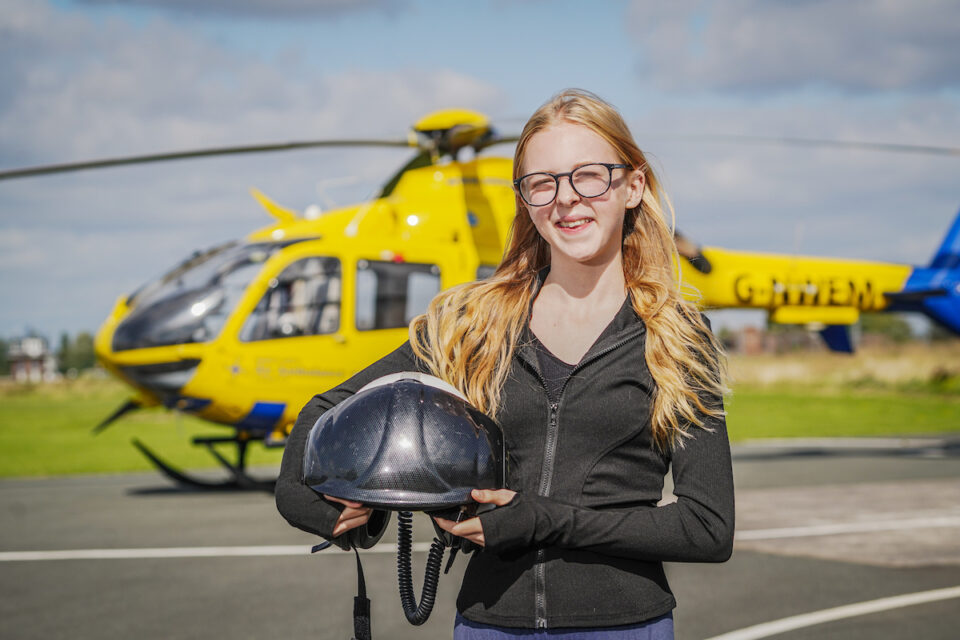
(407,442)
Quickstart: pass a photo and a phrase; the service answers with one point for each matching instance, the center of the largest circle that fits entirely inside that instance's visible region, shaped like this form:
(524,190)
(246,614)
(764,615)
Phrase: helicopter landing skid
(239,478)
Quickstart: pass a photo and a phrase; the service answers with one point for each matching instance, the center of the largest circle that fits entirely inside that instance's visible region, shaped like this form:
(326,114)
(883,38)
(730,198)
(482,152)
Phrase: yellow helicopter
(243,334)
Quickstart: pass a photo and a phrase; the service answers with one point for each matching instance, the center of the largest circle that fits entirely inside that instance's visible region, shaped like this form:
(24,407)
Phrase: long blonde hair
(468,334)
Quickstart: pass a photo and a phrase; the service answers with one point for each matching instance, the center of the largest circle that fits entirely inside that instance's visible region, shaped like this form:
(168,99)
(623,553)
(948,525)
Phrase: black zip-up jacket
(582,543)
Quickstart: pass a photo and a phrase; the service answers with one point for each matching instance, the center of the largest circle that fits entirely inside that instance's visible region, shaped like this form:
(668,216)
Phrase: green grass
(45,430)
(762,412)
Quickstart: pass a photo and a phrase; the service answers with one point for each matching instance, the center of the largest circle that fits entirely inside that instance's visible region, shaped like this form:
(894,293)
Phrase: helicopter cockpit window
(304,300)
(391,294)
(193,301)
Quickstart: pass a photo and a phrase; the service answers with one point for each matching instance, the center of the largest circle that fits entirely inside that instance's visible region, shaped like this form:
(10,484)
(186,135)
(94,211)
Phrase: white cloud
(83,89)
(758,46)
(75,86)
(857,204)
(863,70)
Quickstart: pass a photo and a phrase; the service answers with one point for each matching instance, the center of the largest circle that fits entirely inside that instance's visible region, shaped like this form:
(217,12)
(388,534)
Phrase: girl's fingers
(499,497)
(470,529)
(355,520)
(353,515)
(345,524)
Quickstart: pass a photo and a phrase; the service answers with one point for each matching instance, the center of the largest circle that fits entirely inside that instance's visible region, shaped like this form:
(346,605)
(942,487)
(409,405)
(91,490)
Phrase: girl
(601,376)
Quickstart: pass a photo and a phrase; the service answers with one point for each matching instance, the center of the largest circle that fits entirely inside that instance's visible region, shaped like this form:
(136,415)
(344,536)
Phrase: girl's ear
(635,188)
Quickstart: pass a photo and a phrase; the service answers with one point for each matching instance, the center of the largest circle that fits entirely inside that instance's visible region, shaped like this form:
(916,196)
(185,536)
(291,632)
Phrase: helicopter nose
(165,379)
(161,376)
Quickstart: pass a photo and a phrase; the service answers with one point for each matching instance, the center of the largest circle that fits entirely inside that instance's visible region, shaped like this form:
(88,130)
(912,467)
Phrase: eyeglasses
(589,181)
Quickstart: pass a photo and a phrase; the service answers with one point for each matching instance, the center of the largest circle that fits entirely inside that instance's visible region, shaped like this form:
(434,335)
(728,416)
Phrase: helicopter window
(484,271)
(203,267)
(304,300)
(391,294)
(162,286)
(192,302)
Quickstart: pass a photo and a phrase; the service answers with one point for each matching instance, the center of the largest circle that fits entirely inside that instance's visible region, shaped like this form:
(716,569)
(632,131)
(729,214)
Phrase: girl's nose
(566,194)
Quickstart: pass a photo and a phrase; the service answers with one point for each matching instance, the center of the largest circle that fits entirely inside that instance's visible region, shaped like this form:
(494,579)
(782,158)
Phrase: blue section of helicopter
(948,255)
(945,310)
(263,417)
(935,290)
(837,337)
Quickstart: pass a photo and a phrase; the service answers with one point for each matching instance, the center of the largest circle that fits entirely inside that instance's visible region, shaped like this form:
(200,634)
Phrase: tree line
(75,353)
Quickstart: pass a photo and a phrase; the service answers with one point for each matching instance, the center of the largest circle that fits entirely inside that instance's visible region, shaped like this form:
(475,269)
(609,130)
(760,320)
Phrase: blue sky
(96,78)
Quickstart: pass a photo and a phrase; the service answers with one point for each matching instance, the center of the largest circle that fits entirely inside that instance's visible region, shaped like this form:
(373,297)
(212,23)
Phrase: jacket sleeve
(297,502)
(698,527)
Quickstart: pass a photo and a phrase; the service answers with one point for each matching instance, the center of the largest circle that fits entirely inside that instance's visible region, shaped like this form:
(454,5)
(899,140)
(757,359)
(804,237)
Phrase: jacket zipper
(541,586)
(546,476)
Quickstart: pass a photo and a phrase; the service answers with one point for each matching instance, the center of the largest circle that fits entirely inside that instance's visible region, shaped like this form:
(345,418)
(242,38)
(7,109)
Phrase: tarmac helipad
(835,540)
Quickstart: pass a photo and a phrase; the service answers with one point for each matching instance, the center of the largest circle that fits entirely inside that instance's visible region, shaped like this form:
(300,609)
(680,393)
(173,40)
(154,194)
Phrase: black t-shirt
(555,371)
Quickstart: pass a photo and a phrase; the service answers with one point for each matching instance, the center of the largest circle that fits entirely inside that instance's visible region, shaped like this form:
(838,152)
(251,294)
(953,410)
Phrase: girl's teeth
(574,224)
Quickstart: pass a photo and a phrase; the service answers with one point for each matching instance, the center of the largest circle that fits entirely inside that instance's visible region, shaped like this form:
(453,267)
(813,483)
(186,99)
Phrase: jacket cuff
(512,526)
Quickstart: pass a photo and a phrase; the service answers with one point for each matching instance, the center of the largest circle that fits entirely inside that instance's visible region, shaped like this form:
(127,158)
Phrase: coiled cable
(416,615)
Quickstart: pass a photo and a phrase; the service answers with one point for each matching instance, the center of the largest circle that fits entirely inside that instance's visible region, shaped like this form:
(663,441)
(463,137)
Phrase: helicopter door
(290,345)
(318,320)
(388,295)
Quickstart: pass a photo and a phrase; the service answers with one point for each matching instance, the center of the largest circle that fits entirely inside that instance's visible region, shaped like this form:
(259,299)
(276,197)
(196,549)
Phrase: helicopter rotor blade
(197,153)
(495,141)
(857,145)
(783,142)
(411,142)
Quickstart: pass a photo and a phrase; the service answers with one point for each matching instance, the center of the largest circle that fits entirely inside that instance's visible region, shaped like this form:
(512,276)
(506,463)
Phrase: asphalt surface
(820,526)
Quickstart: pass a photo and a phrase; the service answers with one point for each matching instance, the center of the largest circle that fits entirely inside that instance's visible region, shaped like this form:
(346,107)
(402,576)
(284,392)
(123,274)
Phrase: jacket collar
(626,324)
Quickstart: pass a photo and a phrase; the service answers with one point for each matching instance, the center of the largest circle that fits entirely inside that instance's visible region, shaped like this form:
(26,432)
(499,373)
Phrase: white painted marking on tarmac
(183,552)
(792,623)
(422,547)
(848,527)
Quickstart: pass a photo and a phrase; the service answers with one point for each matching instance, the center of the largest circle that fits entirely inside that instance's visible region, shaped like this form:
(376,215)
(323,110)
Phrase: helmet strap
(361,605)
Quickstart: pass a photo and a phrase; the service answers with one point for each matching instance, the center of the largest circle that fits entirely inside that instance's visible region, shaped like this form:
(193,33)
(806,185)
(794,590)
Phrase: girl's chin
(584,257)
(585,253)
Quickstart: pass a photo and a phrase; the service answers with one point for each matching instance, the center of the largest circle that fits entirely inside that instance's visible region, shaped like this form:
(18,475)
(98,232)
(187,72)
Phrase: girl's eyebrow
(575,167)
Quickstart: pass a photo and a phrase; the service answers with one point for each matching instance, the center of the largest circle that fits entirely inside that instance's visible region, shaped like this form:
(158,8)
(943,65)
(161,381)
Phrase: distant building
(31,360)
(751,341)
(754,340)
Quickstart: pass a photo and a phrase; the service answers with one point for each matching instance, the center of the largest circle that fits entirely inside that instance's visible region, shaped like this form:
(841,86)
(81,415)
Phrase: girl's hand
(353,515)
(471,529)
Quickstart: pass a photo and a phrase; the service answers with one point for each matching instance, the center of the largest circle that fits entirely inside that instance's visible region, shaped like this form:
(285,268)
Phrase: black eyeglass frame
(569,176)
